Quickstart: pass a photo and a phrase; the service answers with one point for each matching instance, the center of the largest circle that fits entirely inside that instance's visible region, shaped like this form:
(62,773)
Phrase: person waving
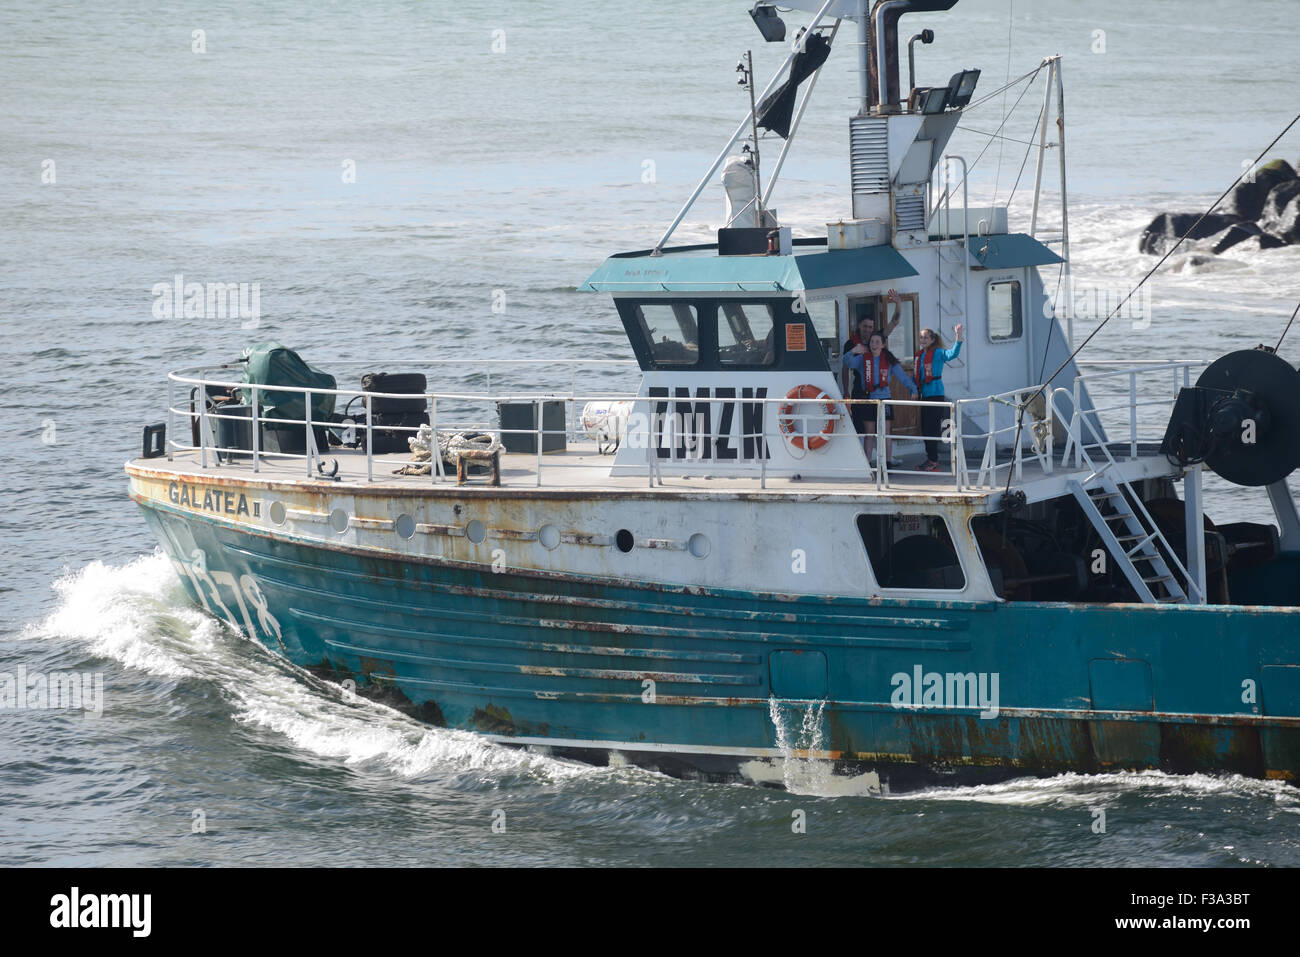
(929,377)
(876,366)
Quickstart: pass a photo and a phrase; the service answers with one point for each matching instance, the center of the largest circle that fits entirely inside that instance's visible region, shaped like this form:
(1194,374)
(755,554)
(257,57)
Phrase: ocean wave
(138,615)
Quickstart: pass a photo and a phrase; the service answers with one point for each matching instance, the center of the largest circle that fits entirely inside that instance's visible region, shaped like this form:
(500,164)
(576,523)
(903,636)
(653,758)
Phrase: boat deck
(581,469)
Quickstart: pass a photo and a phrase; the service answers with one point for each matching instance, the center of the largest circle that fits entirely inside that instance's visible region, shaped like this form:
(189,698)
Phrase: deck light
(769,22)
(962,87)
(929,99)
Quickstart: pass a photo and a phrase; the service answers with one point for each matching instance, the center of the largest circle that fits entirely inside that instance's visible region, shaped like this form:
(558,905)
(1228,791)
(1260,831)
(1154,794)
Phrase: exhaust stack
(882,48)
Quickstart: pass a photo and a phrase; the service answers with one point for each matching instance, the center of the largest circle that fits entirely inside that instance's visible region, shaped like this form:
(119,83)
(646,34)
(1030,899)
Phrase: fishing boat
(706,573)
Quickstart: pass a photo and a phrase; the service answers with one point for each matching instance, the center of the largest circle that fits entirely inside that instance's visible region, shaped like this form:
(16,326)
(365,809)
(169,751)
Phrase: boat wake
(139,616)
(1074,790)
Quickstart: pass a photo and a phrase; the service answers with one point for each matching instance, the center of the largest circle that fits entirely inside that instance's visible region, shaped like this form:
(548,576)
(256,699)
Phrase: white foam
(1093,790)
(804,775)
(130,614)
(139,616)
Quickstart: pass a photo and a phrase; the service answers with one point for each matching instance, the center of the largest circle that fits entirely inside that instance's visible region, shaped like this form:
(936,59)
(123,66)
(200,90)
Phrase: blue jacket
(934,387)
(867,373)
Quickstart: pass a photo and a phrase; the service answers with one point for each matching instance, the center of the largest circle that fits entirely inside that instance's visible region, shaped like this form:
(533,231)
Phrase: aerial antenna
(746,70)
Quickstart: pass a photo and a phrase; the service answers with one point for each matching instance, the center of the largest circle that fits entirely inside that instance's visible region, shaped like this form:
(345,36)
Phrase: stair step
(1159,578)
(1143,555)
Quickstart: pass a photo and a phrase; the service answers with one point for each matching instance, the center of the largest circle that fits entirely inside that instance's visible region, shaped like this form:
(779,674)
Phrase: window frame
(1018,310)
(638,312)
(722,315)
(949,527)
(708,310)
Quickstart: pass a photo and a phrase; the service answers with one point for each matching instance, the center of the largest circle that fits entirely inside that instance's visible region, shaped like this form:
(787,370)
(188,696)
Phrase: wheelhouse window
(722,333)
(745,334)
(911,550)
(672,331)
(825,316)
(1006,319)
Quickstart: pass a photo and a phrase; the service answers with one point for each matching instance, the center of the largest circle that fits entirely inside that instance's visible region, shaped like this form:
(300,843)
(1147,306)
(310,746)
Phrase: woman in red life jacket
(853,386)
(876,368)
(929,376)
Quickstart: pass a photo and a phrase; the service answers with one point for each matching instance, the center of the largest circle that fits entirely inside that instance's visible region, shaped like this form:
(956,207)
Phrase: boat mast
(1054,81)
(864,68)
(753,120)
(1065,210)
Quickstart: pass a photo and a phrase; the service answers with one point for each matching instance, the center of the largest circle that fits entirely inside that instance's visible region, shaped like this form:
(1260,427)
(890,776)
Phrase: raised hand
(957,331)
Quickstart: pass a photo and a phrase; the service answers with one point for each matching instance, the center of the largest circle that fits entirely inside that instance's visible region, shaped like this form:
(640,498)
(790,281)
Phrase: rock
(1165,230)
(1236,233)
(1246,201)
(1281,216)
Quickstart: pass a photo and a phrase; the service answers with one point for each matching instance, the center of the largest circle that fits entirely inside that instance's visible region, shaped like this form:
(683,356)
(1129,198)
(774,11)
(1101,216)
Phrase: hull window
(911,551)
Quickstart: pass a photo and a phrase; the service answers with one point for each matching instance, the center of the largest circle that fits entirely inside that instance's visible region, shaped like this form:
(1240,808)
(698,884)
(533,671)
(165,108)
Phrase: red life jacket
(925,371)
(881,378)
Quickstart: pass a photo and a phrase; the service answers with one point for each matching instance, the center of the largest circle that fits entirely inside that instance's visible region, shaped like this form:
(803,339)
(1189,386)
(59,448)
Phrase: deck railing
(988,440)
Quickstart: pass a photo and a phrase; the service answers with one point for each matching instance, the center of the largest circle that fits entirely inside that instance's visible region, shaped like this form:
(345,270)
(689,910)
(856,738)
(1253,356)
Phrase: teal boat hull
(714,683)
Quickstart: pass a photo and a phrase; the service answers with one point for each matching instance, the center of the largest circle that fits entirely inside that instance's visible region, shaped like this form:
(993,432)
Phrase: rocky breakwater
(1264,210)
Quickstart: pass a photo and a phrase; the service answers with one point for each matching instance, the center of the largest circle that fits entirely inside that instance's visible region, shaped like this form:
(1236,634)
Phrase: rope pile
(450,445)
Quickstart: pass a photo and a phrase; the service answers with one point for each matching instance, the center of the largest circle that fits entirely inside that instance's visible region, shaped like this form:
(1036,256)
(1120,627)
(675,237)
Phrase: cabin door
(902,343)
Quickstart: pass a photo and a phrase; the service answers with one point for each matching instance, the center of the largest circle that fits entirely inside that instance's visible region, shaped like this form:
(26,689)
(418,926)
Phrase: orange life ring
(786,420)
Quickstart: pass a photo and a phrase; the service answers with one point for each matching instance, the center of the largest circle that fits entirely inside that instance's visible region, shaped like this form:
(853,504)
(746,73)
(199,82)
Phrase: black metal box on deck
(234,428)
(523,416)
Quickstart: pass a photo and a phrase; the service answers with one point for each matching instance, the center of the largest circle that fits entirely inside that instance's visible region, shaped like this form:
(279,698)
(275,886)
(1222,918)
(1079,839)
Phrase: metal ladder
(1130,538)
(952,261)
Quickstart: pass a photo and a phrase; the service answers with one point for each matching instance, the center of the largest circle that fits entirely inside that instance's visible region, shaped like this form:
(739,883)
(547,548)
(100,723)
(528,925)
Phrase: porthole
(699,545)
(405,525)
(624,540)
(278,514)
(476,532)
(549,536)
(339,520)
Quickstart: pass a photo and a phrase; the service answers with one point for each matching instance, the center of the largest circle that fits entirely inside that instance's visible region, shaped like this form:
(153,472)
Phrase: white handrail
(468,411)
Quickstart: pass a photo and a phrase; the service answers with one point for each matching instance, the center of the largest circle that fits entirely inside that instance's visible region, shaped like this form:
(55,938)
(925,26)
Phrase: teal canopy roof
(707,272)
(1009,251)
